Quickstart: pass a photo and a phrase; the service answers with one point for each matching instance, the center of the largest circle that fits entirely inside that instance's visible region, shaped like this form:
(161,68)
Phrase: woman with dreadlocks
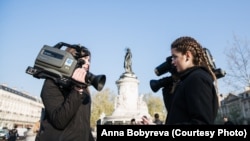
(194,100)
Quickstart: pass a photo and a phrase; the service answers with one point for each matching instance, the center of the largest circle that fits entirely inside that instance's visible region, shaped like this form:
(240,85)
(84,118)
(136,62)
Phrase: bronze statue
(128,61)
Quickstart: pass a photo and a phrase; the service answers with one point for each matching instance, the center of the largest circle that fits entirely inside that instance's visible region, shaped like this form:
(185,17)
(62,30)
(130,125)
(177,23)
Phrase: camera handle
(61,44)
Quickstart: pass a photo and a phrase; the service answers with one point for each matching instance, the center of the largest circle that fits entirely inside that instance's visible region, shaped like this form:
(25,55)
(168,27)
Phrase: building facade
(236,107)
(18,108)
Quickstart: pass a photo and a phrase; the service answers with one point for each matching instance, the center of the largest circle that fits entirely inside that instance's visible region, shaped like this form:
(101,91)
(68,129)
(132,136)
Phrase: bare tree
(238,73)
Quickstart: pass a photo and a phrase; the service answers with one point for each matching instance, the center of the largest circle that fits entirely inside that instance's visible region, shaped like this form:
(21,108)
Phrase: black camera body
(59,65)
(167,66)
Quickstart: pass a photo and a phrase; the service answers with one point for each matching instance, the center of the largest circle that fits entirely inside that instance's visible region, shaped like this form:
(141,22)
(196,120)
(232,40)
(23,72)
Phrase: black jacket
(194,100)
(67,114)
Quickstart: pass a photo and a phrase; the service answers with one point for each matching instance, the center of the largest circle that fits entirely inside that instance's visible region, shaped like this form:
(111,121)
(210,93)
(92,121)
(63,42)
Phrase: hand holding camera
(79,75)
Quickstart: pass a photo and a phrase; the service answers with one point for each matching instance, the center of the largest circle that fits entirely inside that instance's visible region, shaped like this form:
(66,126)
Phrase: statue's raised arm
(128,61)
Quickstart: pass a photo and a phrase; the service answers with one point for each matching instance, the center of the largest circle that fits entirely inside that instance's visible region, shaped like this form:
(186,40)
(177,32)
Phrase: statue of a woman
(128,62)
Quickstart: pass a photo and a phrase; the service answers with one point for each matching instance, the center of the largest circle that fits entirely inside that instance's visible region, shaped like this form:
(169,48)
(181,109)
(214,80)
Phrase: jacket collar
(185,73)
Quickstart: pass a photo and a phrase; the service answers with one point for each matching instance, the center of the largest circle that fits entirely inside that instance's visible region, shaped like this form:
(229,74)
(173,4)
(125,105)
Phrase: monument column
(127,100)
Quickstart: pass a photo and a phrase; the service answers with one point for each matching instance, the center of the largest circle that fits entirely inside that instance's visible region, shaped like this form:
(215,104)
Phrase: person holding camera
(194,99)
(67,108)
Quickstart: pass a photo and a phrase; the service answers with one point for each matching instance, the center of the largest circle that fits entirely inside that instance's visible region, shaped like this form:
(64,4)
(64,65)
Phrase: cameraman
(194,99)
(67,109)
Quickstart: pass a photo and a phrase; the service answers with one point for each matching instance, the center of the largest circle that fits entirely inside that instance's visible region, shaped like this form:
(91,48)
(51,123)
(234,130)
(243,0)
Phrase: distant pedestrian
(13,134)
(227,121)
(133,121)
(157,120)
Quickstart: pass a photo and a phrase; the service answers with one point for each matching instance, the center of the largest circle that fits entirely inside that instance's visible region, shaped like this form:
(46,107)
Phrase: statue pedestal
(128,103)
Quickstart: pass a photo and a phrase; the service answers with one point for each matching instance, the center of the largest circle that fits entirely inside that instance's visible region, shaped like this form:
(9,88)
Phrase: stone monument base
(121,120)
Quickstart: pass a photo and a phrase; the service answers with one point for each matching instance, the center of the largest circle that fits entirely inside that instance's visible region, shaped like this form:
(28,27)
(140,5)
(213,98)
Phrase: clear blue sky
(107,27)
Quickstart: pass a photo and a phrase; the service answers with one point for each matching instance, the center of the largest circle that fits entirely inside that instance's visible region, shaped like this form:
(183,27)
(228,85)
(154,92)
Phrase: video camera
(167,66)
(59,65)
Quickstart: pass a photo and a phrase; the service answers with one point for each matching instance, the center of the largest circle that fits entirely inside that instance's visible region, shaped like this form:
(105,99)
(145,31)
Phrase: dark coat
(228,123)
(194,100)
(67,114)
(13,134)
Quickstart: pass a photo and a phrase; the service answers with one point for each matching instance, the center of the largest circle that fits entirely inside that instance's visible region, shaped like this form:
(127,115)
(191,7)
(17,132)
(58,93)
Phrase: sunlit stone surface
(128,104)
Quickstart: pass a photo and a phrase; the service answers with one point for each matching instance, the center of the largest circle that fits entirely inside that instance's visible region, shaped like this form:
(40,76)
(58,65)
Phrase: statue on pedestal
(128,61)
(127,104)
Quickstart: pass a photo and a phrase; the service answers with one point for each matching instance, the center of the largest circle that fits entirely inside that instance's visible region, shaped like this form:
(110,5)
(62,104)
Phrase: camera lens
(164,67)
